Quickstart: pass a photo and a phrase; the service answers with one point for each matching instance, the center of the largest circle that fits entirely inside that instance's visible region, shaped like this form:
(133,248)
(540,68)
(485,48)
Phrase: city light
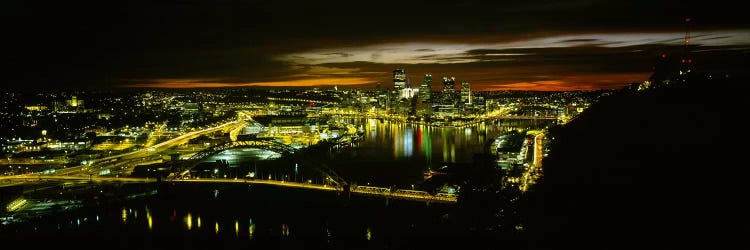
(582,124)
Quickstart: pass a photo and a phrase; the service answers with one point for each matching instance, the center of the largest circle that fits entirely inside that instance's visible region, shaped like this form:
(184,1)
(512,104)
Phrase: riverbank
(201,215)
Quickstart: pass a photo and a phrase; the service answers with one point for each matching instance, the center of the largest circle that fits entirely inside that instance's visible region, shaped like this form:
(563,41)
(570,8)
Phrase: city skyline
(523,125)
(537,45)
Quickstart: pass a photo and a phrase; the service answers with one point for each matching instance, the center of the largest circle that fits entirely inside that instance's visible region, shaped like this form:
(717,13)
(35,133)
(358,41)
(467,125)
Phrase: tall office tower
(449,84)
(449,89)
(465,93)
(425,90)
(399,79)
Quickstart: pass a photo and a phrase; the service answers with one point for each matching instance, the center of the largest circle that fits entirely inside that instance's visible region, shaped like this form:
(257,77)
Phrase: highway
(158,132)
(171,142)
(534,170)
(156,149)
(236,131)
(134,157)
(538,150)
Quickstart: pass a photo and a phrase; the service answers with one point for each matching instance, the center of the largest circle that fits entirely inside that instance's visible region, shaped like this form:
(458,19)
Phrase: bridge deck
(414,196)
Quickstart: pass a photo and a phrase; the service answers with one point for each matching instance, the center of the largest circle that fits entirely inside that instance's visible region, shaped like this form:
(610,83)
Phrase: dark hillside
(648,169)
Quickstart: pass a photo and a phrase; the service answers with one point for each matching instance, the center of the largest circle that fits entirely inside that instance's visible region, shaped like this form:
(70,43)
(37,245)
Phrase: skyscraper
(425,90)
(449,85)
(449,90)
(399,80)
(465,93)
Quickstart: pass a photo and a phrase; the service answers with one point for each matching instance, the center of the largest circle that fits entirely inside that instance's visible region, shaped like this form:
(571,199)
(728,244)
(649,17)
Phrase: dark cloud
(627,64)
(339,54)
(584,40)
(104,44)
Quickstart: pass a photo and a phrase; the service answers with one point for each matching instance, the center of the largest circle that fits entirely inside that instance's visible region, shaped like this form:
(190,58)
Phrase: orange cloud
(564,83)
(571,83)
(213,83)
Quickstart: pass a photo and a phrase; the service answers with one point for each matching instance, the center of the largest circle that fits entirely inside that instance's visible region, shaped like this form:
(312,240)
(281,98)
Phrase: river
(230,216)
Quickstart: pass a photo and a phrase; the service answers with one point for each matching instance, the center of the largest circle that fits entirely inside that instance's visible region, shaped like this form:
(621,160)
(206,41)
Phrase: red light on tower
(663,55)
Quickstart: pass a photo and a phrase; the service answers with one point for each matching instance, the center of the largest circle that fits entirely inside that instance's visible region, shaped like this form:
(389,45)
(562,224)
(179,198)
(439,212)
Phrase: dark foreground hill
(662,168)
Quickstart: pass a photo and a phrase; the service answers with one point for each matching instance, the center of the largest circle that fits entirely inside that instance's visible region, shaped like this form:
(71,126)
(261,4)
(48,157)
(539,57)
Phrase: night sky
(495,45)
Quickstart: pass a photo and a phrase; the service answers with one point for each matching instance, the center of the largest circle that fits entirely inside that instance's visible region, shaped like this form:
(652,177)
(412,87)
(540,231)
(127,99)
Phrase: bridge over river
(400,194)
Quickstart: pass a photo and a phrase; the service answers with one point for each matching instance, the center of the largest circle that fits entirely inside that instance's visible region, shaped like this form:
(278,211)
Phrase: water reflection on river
(193,216)
(405,141)
(391,153)
(201,216)
(396,153)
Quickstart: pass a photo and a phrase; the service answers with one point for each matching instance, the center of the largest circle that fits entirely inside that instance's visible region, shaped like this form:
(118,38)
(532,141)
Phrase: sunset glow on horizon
(568,83)
(198,83)
(557,62)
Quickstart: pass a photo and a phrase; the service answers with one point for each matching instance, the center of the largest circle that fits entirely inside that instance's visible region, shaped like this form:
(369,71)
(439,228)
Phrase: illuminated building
(425,90)
(272,125)
(449,85)
(465,93)
(190,108)
(36,108)
(408,92)
(424,105)
(399,79)
(449,90)
(74,102)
